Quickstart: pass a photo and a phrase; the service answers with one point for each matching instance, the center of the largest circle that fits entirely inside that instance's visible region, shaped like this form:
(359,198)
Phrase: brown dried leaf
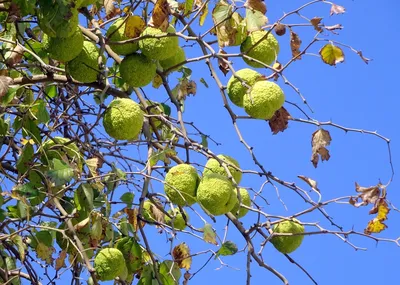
(257,5)
(309,181)
(295,43)
(5,82)
(133,218)
(376,225)
(368,195)
(156,212)
(222,65)
(315,22)
(319,141)
(278,66)
(60,261)
(181,255)
(336,9)
(279,121)
(109,7)
(161,12)
(15,56)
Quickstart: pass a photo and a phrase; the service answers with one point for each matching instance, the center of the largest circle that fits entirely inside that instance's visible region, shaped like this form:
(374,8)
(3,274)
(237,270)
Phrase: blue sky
(351,94)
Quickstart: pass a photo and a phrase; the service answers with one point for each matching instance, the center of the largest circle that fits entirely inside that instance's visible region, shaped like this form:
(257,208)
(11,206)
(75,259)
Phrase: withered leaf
(203,15)
(109,7)
(309,181)
(161,12)
(133,217)
(295,43)
(368,195)
(279,121)
(257,5)
(15,56)
(5,82)
(315,22)
(376,225)
(222,65)
(60,261)
(319,141)
(181,255)
(331,54)
(278,66)
(134,26)
(209,234)
(336,9)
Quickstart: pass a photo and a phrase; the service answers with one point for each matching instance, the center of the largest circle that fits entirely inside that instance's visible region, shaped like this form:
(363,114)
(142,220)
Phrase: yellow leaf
(44,252)
(331,54)
(25,141)
(203,15)
(376,225)
(157,81)
(134,26)
(181,254)
(161,12)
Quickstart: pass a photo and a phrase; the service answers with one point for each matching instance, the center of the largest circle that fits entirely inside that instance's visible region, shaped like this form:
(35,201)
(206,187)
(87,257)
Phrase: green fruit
(264,99)
(180,184)
(159,48)
(137,70)
(213,166)
(236,90)
(179,222)
(216,194)
(117,32)
(177,58)
(123,119)
(132,253)
(64,49)
(287,244)
(85,67)
(85,3)
(246,200)
(60,148)
(109,263)
(266,51)
(57,18)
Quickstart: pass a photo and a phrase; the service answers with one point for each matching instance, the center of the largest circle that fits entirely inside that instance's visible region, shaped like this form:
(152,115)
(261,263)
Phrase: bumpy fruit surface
(288,244)
(137,70)
(123,119)
(60,147)
(180,184)
(177,58)
(57,18)
(264,99)
(216,194)
(117,32)
(179,221)
(266,51)
(236,90)
(109,263)
(244,195)
(213,166)
(158,48)
(84,67)
(64,49)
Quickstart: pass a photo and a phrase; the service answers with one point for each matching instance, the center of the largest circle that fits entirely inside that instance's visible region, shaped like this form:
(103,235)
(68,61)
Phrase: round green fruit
(179,222)
(57,18)
(177,58)
(159,48)
(213,166)
(236,90)
(288,244)
(216,194)
(264,99)
(117,32)
(137,70)
(109,263)
(84,67)
(266,51)
(246,200)
(180,184)
(64,49)
(123,119)
(59,148)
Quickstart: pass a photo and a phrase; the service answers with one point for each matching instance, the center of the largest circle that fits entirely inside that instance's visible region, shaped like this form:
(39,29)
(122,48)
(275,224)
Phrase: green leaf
(203,15)
(17,240)
(51,91)
(45,237)
(30,129)
(4,127)
(26,7)
(88,195)
(188,7)
(25,191)
(127,198)
(209,234)
(204,141)
(5,100)
(169,273)
(60,172)
(40,112)
(227,248)
(202,80)
(255,20)
(25,159)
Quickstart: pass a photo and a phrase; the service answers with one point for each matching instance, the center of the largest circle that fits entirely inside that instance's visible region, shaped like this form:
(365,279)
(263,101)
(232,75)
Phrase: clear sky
(351,94)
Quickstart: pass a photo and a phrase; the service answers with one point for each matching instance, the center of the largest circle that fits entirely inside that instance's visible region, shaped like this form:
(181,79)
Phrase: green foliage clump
(236,90)
(246,200)
(177,58)
(132,253)
(64,49)
(57,18)
(159,48)
(116,33)
(264,99)
(109,263)
(59,148)
(137,70)
(213,166)
(85,3)
(180,184)
(84,67)
(178,222)
(123,119)
(266,51)
(288,244)
(216,194)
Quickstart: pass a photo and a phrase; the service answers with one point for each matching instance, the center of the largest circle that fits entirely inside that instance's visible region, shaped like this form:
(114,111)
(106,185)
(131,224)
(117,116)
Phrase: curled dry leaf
(15,56)
(331,54)
(315,22)
(295,43)
(309,181)
(222,65)
(181,255)
(257,5)
(376,225)
(336,9)
(109,7)
(279,121)
(319,141)
(133,218)
(161,12)
(5,82)
(60,261)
